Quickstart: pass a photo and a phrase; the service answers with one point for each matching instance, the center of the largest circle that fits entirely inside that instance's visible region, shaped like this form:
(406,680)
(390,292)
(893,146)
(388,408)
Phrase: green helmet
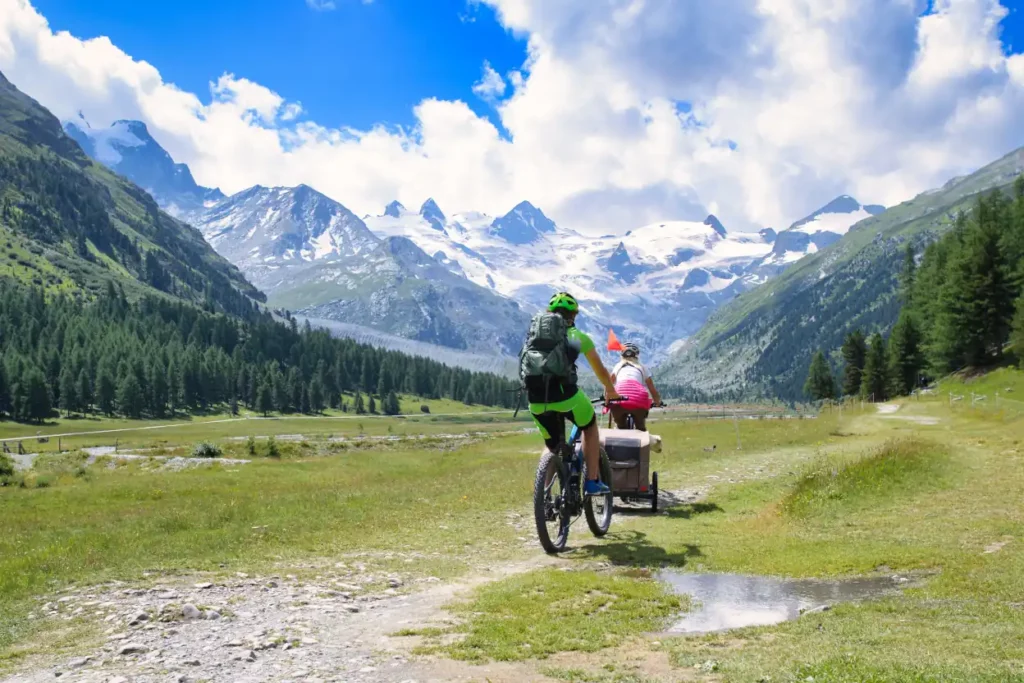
(563,300)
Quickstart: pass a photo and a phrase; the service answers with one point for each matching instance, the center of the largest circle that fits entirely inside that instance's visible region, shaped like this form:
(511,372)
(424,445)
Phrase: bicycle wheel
(598,509)
(549,510)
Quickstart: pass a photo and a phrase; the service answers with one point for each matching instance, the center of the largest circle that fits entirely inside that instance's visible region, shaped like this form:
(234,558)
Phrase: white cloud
(787,104)
(491,86)
(321,5)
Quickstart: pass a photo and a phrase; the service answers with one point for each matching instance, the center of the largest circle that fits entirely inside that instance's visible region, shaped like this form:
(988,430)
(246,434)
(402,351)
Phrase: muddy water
(726,601)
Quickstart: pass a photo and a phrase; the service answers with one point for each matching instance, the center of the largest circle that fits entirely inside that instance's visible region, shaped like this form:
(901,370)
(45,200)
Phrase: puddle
(727,601)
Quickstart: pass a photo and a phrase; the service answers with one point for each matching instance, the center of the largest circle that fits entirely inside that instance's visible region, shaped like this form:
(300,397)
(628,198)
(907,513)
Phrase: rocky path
(337,626)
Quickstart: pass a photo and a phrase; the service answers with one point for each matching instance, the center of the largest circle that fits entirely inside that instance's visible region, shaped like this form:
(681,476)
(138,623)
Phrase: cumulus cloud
(624,111)
(491,86)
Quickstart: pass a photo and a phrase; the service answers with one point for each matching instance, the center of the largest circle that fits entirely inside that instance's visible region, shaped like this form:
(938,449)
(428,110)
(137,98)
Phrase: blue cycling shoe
(594,487)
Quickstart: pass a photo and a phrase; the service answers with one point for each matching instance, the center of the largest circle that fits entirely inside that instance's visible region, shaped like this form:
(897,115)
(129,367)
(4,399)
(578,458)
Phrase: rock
(816,610)
(204,585)
(233,643)
(212,615)
(190,612)
(352,608)
(192,662)
(251,657)
(132,649)
(117,679)
(79,663)
(394,583)
(138,618)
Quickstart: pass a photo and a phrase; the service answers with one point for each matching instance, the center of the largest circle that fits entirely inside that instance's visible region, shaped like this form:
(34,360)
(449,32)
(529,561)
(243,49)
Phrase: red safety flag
(613,341)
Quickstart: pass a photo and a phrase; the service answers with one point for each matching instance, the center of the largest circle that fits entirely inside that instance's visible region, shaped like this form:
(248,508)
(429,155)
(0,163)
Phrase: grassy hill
(68,223)
(760,344)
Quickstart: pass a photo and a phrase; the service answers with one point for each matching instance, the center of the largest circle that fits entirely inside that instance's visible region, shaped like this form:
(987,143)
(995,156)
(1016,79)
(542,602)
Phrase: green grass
(896,469)
(544,612)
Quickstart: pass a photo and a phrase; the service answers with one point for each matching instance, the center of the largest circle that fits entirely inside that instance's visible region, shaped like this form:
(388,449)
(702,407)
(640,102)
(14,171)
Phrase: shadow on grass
(692,510)
(632,549)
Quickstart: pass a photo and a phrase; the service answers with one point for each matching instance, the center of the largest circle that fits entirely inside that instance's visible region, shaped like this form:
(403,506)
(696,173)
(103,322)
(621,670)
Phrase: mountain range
(760,345)
(467,280)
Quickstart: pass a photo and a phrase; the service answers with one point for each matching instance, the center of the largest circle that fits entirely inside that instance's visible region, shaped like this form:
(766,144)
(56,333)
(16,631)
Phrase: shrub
(250,445)
(6,465)
(272,450)
(205,449)
(425,409)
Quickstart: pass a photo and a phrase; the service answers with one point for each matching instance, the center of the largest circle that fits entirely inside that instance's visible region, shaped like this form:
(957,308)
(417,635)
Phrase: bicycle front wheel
(598,509)
(549,503)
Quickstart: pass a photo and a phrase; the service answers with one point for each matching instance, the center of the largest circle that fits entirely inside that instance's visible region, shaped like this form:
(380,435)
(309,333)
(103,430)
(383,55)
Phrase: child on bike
(548,371)
(634,383)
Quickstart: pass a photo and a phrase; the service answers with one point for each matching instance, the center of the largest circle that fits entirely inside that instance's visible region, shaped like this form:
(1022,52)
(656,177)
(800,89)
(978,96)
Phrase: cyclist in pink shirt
(633,382)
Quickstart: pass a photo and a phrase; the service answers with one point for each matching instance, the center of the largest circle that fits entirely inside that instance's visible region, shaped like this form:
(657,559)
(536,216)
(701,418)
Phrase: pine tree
(156,378)
(908,275)
(905,357)
(358,404)
(264,399)
(316,395)
(1017,338)
(372,405)
(84,390)
(820,384)
(106,391)
(129,396)
(854,351)
(875,381)
(391,405)
(37,397)
(68,391)
(5,391)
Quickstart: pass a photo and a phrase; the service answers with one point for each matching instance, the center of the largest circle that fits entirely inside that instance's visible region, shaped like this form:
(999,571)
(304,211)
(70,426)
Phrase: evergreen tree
(5,391)
(820,384)
(265,399)
(295,387)
(68,391)
(106,391)
(37,397)
(358,404)
(316,395)
(854,351)
(391,405)
(129,396)
(84,390)
(372,405)
(875,381)
(908,274)
(156,380)
(1017,338)
(905,357)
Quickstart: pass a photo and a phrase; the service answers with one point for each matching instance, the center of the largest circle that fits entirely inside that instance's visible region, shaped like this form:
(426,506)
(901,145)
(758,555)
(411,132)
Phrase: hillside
(67,223)
(760,345)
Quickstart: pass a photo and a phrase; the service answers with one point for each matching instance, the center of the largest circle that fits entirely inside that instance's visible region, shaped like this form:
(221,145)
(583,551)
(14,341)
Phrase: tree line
(962,306)
(158,357)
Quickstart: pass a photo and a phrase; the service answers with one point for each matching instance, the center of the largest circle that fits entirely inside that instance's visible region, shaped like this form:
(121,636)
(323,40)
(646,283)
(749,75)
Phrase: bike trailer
(629,453)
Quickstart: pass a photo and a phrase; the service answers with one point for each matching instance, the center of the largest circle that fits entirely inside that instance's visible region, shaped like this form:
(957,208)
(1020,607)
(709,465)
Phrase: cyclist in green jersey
(568,401)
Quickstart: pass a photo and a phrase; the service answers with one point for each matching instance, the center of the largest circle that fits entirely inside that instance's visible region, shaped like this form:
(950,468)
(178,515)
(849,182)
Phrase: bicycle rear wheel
(598,509)
(549,508)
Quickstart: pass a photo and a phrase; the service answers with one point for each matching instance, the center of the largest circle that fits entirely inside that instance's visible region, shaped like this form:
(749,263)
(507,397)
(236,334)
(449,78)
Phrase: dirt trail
(891,411)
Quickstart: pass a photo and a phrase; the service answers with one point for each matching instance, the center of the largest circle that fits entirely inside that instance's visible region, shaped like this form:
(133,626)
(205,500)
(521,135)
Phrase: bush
(6,465)
(250,445)
(272,450)
(205,449)
(425,409)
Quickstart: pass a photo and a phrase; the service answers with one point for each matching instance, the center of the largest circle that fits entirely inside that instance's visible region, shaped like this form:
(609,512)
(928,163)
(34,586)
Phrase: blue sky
(356,65)
(879,99)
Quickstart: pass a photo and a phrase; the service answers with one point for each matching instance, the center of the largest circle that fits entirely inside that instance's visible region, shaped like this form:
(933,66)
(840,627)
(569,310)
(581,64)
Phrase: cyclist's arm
(654,392)
(602,373)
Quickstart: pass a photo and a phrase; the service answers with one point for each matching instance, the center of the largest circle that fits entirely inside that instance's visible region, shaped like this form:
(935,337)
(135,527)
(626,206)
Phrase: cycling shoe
(594,487)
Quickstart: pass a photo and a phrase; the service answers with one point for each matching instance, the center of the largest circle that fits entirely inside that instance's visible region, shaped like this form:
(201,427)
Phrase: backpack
(545,356)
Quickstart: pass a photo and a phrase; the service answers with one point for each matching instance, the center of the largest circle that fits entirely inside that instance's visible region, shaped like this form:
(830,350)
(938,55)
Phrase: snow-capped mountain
(126,147)
(820,229)
(314,256)
(467,280)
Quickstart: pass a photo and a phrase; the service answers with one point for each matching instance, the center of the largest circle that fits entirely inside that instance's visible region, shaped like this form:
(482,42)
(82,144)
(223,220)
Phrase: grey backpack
(545,355)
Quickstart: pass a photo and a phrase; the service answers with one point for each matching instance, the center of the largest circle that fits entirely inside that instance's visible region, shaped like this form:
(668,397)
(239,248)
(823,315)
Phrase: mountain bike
(558,498)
